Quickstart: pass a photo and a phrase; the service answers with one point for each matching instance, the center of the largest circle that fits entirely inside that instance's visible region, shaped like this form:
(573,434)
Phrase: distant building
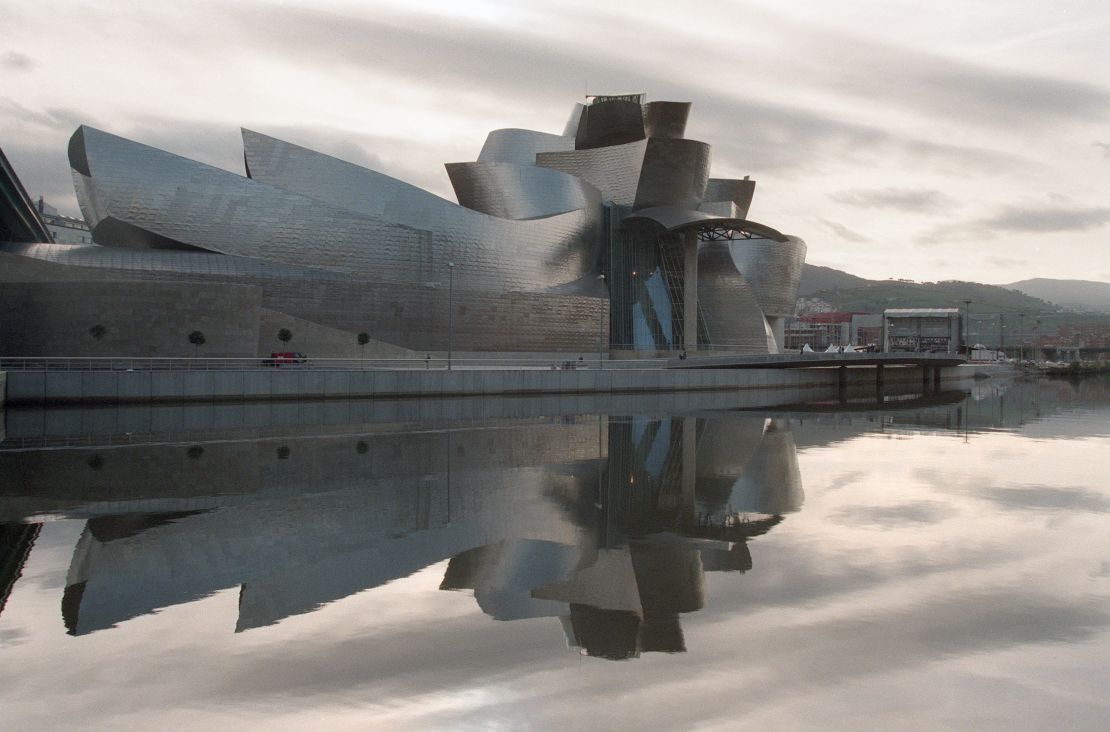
(866,329)
(935,330)
(64,229)
(819,330)
(806,305)
(1076,342)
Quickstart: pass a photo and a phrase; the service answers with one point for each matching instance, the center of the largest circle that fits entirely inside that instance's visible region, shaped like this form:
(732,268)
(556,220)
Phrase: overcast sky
(950,140)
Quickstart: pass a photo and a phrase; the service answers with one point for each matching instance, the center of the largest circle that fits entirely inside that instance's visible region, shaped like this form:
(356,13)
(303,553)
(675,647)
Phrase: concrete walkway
(49,387)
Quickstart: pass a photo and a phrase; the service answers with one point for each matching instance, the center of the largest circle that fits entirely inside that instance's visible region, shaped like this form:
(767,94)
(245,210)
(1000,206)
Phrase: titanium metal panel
(773,269)
(674,174)
(570,129)
(615,171)
(608,123)
(322,216)
(738,191)
(500,254)
(666,120)
(521,146)
(641,174)
(728,306)
(721,210)
(512,191)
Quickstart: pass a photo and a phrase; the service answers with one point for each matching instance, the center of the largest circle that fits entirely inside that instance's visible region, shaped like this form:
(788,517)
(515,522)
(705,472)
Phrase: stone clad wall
(140,385)
(139,318)
(319,341)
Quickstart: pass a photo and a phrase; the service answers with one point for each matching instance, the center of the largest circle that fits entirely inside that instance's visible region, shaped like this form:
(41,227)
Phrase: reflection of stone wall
(330,516)
(176,477)
(138,318)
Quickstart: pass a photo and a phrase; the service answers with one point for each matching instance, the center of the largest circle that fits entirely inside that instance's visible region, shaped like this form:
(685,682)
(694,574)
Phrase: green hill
(879,295)
(816,278)
(1084,295)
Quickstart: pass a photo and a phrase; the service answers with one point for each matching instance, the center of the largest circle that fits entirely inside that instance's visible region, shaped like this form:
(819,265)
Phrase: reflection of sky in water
(934,577)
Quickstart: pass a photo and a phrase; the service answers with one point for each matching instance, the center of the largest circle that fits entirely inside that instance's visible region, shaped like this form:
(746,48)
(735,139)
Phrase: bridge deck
(814,360)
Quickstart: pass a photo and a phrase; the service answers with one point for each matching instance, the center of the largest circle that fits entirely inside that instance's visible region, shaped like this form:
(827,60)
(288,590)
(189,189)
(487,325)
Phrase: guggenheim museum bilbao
(611,235)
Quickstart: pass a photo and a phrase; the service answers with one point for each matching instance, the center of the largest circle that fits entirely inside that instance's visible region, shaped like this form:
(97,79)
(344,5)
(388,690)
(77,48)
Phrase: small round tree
(363,339)
(98,331)
(285,335)
(197,339)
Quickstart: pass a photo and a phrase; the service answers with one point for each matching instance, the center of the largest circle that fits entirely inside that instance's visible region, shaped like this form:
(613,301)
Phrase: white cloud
(970,110)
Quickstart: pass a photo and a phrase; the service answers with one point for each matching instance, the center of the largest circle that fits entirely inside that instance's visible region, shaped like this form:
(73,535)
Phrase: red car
(278,359)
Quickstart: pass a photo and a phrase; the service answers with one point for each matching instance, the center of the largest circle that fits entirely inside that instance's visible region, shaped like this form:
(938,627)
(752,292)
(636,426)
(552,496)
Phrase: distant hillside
(878,295)
(815,279)
(1082,295)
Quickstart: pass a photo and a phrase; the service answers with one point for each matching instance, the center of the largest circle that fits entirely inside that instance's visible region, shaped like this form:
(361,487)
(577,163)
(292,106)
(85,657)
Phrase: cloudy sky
(953,140)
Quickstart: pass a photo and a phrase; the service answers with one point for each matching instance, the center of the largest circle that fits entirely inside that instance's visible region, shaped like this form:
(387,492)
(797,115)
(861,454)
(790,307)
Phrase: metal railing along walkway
(693,361)
(86,363)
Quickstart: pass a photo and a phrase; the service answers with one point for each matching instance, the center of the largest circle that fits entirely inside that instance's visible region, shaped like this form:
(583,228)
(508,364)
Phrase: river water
(835,561)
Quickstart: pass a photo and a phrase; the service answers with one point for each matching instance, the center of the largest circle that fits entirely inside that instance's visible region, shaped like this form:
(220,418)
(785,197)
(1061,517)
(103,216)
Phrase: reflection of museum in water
(531,520)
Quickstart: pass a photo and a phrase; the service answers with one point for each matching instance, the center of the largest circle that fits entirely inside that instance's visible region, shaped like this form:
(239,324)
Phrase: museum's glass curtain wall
(647,289)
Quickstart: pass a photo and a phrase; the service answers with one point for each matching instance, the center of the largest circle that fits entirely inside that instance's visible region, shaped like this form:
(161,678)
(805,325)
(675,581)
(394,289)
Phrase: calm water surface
(936,561)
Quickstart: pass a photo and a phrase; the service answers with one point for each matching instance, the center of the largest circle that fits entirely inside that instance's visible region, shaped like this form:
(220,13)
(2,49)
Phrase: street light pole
(1036,336)
(1021,337)
(1002,334)
(601,327)
(967,328)
(450,312)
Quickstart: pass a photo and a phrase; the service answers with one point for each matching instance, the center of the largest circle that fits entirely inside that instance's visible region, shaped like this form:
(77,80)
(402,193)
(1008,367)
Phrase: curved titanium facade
(674,173)
(615,171)
(521,146)
(737,192)
(666,120)
(773,269)
(608,123)
(511,191)
(731,312)
(544,224)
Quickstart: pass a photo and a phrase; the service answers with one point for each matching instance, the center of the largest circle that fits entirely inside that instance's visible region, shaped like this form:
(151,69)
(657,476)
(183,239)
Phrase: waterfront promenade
(52,380)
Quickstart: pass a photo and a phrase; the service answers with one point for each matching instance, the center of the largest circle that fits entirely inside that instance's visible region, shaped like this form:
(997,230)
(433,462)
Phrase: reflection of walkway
(532,523)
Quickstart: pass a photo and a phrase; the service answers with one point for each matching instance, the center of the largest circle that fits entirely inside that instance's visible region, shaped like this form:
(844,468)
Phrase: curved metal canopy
(710,227)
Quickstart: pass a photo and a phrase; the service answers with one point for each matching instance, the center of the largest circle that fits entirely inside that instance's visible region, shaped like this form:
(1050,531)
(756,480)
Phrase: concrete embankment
(47,387)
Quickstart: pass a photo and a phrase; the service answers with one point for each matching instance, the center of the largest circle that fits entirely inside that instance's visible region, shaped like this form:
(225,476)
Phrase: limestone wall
(134,319)
(320,341)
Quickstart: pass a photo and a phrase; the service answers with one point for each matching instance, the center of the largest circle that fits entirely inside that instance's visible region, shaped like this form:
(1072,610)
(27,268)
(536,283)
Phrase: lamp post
(601,328)
(1021,337)
(1035,355)
(450,312)
(967,328)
